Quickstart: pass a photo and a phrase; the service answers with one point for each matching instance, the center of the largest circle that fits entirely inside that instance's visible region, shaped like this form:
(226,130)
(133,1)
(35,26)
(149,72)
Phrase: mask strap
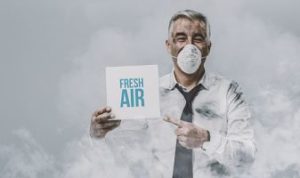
(201,57)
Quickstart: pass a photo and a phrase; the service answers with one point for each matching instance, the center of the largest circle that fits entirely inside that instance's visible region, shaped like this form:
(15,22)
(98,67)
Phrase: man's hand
(101,122)
(188,134)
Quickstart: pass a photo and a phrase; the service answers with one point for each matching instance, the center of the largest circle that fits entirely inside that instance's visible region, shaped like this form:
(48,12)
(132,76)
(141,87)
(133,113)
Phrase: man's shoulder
(165,78)
(164,81)
(216,80)
(221,82)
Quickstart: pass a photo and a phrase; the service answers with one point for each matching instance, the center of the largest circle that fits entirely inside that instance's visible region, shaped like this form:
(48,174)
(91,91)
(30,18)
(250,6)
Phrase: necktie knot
(189,96)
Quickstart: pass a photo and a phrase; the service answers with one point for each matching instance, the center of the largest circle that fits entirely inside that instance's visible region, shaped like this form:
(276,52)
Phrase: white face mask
(189,59)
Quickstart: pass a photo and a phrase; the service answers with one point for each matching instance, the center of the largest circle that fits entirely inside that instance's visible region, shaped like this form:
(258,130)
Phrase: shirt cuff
(212,146)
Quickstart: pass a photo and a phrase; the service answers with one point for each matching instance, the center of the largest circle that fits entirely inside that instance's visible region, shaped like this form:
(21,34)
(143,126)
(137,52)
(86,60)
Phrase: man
(208,113)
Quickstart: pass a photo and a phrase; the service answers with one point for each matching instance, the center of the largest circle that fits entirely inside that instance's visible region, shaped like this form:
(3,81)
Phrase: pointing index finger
(173,121)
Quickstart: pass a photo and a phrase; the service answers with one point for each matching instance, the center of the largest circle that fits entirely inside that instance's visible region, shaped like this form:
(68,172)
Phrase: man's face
(183,32)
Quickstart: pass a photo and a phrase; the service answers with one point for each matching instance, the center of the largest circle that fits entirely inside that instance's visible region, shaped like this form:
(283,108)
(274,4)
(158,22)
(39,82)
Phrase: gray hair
(191,15)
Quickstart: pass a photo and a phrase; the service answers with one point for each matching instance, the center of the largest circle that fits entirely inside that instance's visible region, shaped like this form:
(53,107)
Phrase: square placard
(133,91)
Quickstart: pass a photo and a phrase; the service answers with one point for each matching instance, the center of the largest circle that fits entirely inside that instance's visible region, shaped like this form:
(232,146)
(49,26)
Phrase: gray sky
(53,55)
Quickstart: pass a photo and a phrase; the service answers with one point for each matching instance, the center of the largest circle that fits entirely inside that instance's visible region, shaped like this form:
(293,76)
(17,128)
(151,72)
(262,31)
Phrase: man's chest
(209,108)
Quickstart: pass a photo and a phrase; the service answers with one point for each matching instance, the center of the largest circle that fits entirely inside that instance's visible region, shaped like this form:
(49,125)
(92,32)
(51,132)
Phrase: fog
(52,60)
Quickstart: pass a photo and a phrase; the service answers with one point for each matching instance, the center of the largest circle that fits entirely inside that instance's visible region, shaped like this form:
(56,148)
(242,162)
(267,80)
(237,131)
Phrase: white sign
(133,91)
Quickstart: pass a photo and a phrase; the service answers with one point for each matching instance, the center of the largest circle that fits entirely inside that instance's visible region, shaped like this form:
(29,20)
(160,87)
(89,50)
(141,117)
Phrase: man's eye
(199,40)
(180,39)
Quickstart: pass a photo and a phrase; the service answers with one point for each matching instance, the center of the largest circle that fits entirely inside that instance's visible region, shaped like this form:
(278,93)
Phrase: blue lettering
(139,97)
(135,88)
(132,97)
(124,98)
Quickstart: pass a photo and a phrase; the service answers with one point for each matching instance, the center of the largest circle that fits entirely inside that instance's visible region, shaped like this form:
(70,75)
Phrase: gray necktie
(183,163)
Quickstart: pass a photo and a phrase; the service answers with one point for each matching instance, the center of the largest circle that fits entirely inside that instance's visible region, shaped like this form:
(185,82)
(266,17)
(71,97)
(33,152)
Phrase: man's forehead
(183,24)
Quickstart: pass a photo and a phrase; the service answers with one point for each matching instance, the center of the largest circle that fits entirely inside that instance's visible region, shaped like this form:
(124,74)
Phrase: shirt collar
(203,81)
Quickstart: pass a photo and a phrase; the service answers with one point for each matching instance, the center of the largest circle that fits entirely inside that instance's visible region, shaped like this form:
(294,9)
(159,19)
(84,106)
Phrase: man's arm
(237,148)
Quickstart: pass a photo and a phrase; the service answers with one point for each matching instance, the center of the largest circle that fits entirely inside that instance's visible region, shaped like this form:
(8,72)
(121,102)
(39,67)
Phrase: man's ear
(208,47)
(168,46)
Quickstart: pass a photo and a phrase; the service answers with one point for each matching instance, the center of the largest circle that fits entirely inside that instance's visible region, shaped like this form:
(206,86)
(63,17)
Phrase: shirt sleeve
(237,147)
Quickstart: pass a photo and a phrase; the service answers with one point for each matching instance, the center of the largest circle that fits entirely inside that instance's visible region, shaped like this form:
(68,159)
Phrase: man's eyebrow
(199,34)
(180,34)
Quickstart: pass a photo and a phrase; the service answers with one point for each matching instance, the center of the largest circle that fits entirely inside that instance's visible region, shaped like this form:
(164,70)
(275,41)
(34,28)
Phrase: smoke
(255,43)
(25,158)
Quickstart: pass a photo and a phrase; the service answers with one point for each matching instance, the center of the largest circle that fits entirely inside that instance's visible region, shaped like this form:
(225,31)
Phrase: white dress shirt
(220,108)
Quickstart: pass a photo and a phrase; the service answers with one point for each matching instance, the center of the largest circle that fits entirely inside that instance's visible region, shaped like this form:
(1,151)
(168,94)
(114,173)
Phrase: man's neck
(189,81)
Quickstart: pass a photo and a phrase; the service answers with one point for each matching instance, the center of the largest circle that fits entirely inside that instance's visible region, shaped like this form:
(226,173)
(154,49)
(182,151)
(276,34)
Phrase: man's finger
(107,109)
(104,117)
(182,138)
(182,131)
(110,128)
(173,121)
(109,124)
(183,144)
(98,111)
(101,111)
